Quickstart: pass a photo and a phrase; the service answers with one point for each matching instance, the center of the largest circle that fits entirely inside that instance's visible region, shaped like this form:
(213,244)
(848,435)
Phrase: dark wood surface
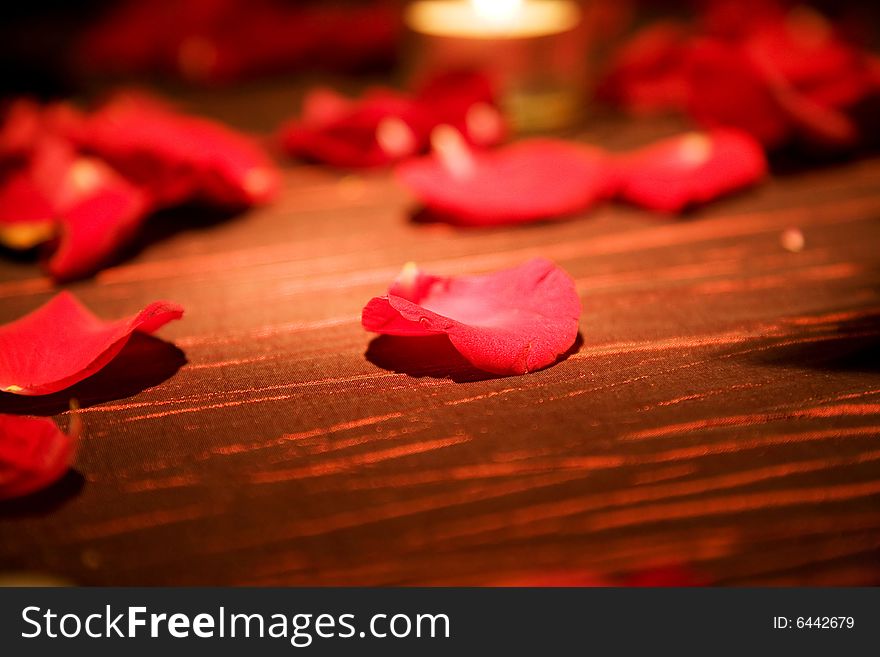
(721,414)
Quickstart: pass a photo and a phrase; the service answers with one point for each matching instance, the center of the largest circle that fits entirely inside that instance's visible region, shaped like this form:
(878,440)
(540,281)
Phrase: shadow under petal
(426,216)
(166,223)
(143,363)
(45,500)
(851,346)
(22,256)
(434,356)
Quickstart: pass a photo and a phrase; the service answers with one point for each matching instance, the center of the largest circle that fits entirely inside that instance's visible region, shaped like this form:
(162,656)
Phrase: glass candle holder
(531,49)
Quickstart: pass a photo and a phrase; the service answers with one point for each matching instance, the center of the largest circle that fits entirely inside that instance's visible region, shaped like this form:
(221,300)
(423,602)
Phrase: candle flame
(497,11)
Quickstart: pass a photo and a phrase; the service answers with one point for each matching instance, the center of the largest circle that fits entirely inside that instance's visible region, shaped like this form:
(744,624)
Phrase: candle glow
(497,11)
(498,19)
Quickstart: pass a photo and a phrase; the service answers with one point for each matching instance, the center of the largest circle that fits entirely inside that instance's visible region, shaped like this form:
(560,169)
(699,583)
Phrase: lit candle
(529,47)
(493,19)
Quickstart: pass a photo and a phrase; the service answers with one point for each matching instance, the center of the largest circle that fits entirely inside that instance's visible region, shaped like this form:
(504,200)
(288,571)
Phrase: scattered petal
(647,75)
(508,322)
(690,169)
(34,453)
(728,88)
(90,207)
(530,180)
(466,100)
(26,123)
(62,343)
(176,157)
(385,126)
(21,126)
(27,216)
(785,75)
(376,130)
(101,214)
(91,179)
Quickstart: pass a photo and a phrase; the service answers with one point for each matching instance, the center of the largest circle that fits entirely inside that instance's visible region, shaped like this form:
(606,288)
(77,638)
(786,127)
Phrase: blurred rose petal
(690,169)
(27,215)
(529,180)
(100,215)
(355,133)
(466,100)
(34,453)
(177,157)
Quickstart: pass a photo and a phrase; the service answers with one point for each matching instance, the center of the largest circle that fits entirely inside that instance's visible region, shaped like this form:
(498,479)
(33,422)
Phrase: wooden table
(721,414)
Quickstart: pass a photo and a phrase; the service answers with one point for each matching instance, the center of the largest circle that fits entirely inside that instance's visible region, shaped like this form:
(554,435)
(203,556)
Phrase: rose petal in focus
(509,322)
(62,343)
(690,169)
(34,453)
(530,180)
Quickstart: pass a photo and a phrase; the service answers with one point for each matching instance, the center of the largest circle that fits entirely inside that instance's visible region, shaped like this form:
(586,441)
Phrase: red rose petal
(62,343)
(385,126)
(727,88)
(324,106)
(530,180)
(22,122)
(466,100)
(509,322)
(784,75)
(179,158)
(690,169)
(647,74)
(816,122)
(27,124)
(27,216)
(93,209)
(380,128)
(802,46)
(34,453)
(101,213)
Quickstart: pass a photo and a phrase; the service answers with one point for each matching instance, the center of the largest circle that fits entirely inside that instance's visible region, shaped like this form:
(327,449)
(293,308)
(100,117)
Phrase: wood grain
(721,414)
